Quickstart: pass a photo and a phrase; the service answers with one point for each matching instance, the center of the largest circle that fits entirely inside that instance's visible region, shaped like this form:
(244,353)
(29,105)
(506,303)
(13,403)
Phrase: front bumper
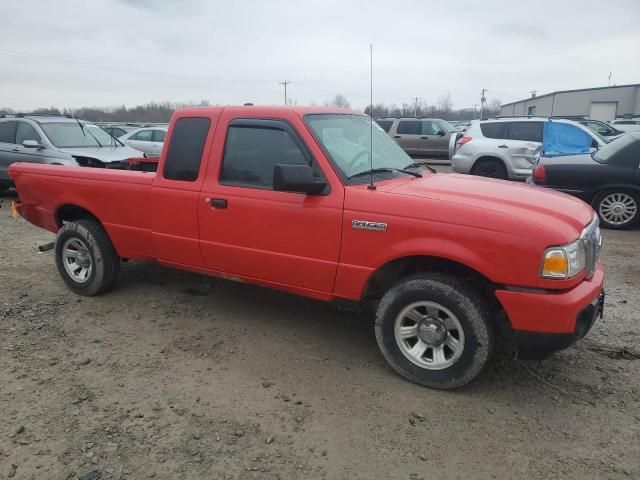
(547,322)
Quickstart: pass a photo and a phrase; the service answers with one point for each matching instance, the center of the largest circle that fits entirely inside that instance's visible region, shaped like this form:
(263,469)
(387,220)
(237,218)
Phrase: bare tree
(493,107)
(339,101)
(445,103)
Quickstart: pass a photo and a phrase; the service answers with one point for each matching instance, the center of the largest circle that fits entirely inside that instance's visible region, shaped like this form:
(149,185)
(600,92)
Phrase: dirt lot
(175,375)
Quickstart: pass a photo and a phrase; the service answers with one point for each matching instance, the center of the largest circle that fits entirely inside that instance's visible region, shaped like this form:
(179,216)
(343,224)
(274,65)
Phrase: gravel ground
(179,376)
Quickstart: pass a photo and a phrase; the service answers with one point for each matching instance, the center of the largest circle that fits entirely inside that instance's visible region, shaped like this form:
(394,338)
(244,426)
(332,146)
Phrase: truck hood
(550,209)
(103,154)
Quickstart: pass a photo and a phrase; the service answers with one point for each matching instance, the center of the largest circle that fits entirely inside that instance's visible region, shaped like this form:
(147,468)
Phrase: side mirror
(442,133)
(296,178)
(32,144)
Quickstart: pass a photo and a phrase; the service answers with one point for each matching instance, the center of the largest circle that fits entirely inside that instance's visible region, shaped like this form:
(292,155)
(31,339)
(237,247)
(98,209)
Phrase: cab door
(282,239)
(433,139)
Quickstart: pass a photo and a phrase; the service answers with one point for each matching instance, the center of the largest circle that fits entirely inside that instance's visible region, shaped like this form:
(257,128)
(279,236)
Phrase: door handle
(15,149)
(424,138)
(503,146)
(397,136)
(218,203)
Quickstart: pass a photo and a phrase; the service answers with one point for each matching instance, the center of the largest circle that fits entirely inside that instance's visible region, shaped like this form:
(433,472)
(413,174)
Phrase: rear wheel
(617,209)
(85,257)
(434,330)
(490,167)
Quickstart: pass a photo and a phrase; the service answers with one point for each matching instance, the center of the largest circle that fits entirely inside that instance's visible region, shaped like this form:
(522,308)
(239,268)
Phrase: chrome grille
(591,239)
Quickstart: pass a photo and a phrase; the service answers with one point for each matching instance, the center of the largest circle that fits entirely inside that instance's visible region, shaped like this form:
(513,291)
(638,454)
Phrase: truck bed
(119,198)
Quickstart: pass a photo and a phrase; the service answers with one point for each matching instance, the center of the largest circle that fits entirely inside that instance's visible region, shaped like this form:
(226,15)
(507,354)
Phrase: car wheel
(434,330)
(490,167)
(85,257)
(617,209)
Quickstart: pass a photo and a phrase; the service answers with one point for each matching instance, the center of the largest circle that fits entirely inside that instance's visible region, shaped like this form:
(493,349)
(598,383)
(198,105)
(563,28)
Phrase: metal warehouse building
(602,103)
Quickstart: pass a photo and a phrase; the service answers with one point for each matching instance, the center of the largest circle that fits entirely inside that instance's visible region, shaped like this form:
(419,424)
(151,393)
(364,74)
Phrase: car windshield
(447,126)
(347,140)
(72,135)
(604,154)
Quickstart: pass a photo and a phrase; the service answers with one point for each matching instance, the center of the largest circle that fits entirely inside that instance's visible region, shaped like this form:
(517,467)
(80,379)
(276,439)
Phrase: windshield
(72,135)
(604,154)
(347,141)
(448,127)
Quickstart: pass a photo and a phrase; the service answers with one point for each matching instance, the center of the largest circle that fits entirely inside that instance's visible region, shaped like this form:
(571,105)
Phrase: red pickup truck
(322,203)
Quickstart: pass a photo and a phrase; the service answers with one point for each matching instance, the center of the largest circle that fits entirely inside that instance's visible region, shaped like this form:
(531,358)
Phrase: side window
(143,135)
(409,127)
(117,132)
(8,132)
(528,131)
(385,124)
(252,151)
(26,132)
(494,130)
(158,135)
(430,128)
(185,149)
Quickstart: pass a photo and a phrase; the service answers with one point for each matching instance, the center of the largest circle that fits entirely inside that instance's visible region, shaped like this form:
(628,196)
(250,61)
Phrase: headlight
(563,262)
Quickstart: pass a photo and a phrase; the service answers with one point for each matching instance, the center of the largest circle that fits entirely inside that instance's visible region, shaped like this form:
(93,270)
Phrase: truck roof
(267,110)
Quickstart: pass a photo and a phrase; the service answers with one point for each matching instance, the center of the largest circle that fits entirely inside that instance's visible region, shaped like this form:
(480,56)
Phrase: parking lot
(176,375)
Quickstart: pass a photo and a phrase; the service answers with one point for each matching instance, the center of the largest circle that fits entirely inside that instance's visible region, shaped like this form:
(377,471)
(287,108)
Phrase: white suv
(504,147)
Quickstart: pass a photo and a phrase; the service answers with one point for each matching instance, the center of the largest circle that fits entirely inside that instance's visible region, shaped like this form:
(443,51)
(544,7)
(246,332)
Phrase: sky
(74,53)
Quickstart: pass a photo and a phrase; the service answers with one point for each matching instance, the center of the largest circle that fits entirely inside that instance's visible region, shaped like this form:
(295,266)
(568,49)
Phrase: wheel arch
(612,187)
(69,212)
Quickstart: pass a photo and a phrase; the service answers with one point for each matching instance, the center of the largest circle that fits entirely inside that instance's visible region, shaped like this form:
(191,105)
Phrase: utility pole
(482,100)
(610,73)
(415,105)
(285,83)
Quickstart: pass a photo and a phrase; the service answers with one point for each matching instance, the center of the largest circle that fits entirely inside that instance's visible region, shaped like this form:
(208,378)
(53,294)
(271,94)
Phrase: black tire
(472,315)
(490,167)
(98,249)
(607,195)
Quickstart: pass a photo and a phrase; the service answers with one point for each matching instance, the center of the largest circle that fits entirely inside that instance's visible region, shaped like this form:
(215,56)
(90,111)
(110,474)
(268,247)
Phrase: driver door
(284,239)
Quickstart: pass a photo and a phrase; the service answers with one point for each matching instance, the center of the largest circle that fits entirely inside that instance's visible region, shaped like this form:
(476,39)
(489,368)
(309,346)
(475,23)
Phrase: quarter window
(528,131)
(494,129)
(8,132)
(253,149)
(26,132)
(185,149)
(409,127)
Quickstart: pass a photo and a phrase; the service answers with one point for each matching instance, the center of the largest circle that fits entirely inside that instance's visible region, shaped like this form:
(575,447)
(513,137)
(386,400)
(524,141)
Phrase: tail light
(539,175)
(463,141)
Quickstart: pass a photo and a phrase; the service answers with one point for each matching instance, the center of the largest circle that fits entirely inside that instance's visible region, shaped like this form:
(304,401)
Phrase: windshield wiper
(421,164)
(384,169)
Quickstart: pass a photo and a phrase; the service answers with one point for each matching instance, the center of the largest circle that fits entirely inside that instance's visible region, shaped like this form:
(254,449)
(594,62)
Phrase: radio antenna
(371,186)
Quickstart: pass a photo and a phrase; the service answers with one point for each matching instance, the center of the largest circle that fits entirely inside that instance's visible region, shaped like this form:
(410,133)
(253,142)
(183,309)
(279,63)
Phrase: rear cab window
(184,155)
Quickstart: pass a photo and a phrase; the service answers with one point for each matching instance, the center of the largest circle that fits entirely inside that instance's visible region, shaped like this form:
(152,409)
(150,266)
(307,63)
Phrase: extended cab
(287,198)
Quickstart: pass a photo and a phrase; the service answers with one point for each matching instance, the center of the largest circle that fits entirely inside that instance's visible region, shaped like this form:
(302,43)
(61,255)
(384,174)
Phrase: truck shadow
(295,330)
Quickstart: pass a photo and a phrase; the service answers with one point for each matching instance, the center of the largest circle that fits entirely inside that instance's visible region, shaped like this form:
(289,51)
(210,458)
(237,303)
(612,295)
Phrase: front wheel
(434,330)
(85,257)
(617,209)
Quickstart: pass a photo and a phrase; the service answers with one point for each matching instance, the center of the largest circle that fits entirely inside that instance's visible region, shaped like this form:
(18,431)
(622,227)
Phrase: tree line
(160,112)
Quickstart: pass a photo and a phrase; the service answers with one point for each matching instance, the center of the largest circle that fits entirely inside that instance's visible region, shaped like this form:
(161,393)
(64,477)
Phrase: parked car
(627,125)
(420,136)
(57,140)
(119,130)
(286,198)
(504,148)
(461,126)
(602,128)
(608,179)
(147,140)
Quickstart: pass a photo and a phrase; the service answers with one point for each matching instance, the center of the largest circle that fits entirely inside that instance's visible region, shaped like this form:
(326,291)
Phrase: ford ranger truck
(322,203)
